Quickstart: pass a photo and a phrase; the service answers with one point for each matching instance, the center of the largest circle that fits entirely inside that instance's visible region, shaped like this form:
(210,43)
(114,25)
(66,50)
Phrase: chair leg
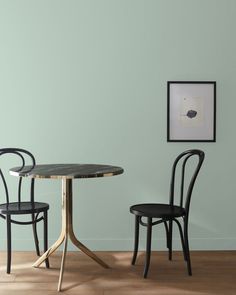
(167,235)
(182,239)
(8,220)
(187,246)
(36,241)
(148,247)
(170,238)
(136,239)
(45,218)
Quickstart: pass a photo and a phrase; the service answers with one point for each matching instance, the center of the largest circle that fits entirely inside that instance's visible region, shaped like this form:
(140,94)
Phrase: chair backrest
(24,158)
(185,187)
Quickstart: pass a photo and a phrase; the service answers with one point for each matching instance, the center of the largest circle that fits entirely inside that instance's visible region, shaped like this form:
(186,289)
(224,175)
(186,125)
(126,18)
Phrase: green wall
(85,82)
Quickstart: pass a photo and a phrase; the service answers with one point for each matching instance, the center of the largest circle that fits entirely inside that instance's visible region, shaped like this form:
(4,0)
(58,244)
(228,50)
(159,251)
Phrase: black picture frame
(191,111)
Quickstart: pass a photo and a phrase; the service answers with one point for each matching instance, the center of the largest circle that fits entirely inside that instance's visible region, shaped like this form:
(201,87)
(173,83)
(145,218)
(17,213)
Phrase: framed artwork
(191,111)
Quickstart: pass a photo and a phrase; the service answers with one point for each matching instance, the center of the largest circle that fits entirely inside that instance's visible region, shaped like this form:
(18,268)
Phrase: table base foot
(67,233)
(88,252)
(49,252)
(62,264)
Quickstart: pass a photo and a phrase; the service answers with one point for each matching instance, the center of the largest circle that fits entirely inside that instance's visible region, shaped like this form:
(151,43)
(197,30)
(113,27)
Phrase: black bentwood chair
(19,207)
(167,213)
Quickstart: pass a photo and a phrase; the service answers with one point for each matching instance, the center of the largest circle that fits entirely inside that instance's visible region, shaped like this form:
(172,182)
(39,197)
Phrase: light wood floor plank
(214,273)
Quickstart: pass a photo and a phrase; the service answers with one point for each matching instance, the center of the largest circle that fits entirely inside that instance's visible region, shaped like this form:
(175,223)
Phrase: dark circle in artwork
(191,114)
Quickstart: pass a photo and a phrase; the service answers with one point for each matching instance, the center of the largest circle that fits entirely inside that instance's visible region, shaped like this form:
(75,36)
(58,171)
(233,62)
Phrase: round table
(67,172)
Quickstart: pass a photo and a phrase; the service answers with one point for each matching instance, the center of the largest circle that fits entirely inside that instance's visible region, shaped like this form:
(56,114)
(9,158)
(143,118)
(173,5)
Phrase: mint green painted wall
(85,81)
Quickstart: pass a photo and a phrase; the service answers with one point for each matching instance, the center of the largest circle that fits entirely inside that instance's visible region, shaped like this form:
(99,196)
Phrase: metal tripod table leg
(67,232)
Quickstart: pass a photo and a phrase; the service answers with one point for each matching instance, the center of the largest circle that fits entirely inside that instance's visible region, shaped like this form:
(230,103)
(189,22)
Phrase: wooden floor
(213,273)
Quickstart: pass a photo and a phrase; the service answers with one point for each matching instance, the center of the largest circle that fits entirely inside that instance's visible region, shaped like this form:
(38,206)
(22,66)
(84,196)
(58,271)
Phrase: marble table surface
(68,171)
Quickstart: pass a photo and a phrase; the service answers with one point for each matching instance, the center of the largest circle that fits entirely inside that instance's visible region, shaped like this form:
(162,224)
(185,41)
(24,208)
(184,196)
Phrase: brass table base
(67,232)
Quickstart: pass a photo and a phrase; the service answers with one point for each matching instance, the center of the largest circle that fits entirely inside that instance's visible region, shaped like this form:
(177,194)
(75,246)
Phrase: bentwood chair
(188,161)
(19,207)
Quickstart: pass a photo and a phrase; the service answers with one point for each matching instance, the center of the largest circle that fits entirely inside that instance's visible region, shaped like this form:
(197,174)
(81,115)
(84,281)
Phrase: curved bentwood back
(186,184)
(24,157)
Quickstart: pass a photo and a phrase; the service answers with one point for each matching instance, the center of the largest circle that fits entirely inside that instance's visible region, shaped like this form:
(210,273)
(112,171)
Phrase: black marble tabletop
(68,171)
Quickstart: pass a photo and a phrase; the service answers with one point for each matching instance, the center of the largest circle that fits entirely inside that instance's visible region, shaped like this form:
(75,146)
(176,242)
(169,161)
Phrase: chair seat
(157,210)
(23,208)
